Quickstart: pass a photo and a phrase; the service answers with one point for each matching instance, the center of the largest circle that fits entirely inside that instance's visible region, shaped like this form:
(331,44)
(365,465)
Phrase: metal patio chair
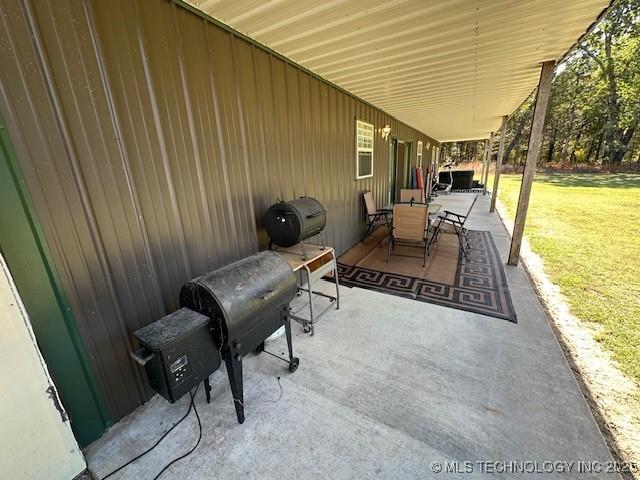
(453,223)
(410,227)
(374,215)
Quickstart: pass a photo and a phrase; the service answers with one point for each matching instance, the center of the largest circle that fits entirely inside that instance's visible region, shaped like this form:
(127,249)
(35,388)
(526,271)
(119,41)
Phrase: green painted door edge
(23,245)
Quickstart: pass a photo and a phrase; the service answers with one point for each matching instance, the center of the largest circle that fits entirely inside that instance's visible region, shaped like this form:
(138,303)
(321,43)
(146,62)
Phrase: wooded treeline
(594,109)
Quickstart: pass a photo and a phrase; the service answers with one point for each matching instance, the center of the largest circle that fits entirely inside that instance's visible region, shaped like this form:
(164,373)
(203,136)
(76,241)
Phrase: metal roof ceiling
(450,68)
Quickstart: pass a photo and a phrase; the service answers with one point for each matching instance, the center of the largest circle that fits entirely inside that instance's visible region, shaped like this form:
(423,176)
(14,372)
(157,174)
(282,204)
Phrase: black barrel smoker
(293,221)
(246,302)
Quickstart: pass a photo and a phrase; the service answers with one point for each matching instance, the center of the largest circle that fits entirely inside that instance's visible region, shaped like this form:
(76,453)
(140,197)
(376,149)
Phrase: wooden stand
(314,262)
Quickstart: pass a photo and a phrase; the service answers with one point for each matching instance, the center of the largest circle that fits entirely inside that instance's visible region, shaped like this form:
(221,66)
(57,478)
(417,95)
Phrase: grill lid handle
(141,356)
(317,214)
(268,295)
(283,211)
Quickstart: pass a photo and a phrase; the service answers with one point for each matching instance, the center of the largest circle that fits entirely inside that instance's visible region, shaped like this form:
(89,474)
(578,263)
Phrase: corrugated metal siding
(152,141)
(452,68)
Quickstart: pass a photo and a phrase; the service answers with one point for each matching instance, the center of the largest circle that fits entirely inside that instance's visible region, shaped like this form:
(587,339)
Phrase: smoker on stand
(246,301)
(289,224)
(224,314)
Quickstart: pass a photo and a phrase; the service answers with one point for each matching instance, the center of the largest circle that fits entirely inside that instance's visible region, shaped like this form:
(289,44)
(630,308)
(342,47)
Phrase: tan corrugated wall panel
(152,141)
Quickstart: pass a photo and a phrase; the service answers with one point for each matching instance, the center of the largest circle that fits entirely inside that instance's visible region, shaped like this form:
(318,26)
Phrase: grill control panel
(180,369)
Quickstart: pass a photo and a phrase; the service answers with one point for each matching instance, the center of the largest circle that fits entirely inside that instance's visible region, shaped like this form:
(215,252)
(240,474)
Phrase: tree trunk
(627,135)
(594,147)
(613,132)
(516,137)
(567,139)
(572,154)
(552,144)
(600,140)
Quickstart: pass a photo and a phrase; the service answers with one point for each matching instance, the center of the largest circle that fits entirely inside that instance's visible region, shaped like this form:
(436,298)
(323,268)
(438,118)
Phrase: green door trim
(24,247)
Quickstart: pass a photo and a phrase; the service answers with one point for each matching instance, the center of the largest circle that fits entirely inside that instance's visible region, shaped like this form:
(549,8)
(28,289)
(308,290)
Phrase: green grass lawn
(586,227)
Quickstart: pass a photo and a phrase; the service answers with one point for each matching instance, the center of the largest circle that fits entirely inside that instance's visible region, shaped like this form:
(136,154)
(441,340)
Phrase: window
(419,162)
(364,150)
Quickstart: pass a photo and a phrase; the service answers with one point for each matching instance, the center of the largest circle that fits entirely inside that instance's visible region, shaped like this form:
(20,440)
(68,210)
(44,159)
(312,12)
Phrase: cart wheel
(306,328)
(259,349)
(293,364)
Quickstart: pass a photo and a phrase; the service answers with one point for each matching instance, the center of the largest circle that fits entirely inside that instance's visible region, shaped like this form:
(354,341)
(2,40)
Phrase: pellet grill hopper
(246,302)
(177,352)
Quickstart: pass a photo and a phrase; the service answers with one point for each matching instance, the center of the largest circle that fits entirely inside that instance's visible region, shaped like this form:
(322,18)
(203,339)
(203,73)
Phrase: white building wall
(35,442)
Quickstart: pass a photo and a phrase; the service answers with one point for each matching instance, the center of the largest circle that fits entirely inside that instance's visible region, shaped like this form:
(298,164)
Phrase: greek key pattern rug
(479,284)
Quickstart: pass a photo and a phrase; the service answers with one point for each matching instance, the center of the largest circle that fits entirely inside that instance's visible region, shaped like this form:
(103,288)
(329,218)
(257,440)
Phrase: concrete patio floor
(386,387)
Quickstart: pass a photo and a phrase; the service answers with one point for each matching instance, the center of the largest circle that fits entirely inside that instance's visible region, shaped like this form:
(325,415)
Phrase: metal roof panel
(449,68)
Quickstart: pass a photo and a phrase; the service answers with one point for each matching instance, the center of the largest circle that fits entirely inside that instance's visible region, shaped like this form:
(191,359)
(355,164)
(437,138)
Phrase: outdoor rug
(476,285)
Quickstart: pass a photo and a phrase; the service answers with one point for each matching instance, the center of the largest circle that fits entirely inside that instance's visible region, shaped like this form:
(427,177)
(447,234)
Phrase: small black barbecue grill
(288,223)
(246,302)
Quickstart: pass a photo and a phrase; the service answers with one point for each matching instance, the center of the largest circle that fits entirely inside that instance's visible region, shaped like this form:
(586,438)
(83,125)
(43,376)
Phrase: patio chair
(415,195)
(453,223)
(410,227)
(374,215)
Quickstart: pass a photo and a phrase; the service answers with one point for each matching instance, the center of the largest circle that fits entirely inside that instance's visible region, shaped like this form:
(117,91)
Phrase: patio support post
(487,161)
(496,178)
(533,152)
(484,160)
(427,186)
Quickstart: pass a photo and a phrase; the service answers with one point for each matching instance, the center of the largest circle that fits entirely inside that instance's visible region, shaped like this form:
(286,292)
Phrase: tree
(616,39)
(594,109)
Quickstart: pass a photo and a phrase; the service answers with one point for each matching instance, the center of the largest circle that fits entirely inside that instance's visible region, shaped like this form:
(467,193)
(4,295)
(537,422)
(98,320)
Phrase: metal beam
(533,152)
(496,178)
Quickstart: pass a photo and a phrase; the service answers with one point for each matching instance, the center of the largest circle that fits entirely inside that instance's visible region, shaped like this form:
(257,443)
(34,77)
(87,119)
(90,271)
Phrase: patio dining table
(434,208)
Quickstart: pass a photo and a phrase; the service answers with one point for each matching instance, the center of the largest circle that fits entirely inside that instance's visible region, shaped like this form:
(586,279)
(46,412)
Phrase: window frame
(364,149)
(419,153)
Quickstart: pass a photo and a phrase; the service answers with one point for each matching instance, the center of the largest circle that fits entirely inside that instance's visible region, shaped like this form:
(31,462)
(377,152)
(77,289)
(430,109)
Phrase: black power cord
(166,467)
(191,405)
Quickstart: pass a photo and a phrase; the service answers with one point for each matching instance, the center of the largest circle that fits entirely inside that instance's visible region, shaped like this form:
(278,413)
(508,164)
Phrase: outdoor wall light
(385,132)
